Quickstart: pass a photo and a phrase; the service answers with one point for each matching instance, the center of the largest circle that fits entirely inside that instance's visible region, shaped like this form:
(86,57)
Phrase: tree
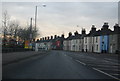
(5,22)
(24,33)
(13,29)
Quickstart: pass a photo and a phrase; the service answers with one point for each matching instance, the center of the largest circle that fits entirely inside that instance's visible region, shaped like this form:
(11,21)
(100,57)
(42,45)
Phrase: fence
(8,50)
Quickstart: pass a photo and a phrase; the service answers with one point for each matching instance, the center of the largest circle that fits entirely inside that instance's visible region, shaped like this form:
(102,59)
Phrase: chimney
(37,40)
(55,36)
(105,26)
(34,40)
(45,38)
(76,33)
(70,34)
(48,37)
(62,35)
(51,37)
(116,28)
(93,29)
(58,36)
(83,31)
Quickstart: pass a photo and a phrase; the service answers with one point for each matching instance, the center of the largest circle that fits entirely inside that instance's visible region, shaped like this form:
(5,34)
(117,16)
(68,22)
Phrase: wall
(86,44)
(104,43)
(97,44)
(113,40)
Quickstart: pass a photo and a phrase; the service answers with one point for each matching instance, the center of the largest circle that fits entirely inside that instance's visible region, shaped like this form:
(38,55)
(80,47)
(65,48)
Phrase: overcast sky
(63,17)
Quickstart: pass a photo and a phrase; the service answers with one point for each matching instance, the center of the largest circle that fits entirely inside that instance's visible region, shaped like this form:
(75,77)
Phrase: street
(64,65)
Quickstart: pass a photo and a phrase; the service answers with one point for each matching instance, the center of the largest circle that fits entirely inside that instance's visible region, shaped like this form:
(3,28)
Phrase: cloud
(59,17)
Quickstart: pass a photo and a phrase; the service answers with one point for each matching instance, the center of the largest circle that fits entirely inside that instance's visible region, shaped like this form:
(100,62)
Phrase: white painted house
(97,44)
(89,40)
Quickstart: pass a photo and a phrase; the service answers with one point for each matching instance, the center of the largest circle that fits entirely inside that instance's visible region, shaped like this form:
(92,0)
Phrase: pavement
(58,65)
(8,58)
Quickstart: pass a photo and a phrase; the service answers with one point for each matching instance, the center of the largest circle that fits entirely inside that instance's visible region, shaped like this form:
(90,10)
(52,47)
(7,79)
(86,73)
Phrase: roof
(78,36)
(51,40)
(99,33)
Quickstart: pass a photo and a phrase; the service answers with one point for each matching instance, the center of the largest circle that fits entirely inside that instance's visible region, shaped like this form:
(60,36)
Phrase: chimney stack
(51,37)
(83,31)
(76,33)
(55,36)
(117,28)
(48,37)
(62,35)
(105,26)
(70,34)
(45,38)
(93,29)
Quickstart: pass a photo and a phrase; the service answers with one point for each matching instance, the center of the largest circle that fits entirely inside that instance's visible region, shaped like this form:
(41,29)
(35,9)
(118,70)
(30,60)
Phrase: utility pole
(35,17)
(31,30)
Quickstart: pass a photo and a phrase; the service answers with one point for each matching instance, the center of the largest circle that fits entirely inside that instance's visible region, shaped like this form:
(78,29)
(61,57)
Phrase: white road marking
(106,73)
(115,74)
(103,65)
(110,62)
(109,69)
(110,59)
(80,62)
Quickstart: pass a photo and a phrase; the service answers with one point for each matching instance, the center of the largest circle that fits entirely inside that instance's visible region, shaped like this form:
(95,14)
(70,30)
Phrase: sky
(63,17)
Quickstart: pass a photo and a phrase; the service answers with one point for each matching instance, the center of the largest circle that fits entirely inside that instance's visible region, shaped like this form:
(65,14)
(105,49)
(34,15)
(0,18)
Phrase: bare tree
(5,20)
(13,29)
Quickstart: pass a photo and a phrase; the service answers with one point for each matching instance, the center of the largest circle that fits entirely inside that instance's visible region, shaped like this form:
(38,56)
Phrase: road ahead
(53,65)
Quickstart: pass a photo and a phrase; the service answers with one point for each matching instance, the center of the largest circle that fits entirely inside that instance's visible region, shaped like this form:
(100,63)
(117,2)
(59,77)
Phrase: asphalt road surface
(54,65)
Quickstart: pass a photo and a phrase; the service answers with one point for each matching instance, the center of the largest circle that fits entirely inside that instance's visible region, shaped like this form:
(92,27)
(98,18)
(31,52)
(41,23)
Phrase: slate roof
(99,33)
(78,36)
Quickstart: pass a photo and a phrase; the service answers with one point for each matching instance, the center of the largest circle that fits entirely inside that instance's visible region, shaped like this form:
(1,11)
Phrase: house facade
(97,44)
(89,40)
(75,42)
(114,40)
(103,40)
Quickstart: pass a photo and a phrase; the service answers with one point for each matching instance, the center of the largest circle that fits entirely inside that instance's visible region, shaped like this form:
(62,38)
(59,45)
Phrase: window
(90,39)
(79,47)
(86,40)
(86,46)
(102,38)
(80,40)
(97,47)
(96,39)
(93,39)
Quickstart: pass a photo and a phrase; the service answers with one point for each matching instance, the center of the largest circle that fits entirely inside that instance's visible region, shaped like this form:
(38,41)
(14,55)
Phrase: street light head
(43,5)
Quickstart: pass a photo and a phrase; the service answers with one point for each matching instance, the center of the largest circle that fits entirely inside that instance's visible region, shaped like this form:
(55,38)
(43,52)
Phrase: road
(56,65)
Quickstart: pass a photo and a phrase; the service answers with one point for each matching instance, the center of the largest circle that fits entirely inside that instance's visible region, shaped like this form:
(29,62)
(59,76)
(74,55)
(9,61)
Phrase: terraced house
(67,42)
(77,43)
(97,41)
(89,40)
(114,40)
(103,40)
(74,42)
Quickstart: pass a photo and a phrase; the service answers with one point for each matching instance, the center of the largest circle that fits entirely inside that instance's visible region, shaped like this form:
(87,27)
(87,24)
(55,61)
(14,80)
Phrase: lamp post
(36,7)
(35,17)
(31,34)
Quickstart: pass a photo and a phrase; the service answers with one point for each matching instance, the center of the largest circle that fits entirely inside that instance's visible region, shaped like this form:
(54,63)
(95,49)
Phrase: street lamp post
(36,15)
(31,30)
